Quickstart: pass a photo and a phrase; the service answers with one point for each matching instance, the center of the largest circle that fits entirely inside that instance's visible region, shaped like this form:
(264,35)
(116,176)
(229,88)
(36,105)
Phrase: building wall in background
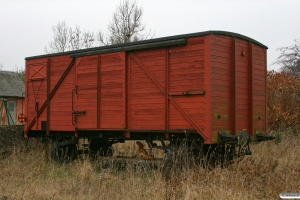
(15,111)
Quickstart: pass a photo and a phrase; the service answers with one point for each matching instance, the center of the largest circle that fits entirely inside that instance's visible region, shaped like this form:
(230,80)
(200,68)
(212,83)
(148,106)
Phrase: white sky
(25,25)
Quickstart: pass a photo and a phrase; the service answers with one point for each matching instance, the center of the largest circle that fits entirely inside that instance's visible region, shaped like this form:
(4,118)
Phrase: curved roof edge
(151,41)
(239,36)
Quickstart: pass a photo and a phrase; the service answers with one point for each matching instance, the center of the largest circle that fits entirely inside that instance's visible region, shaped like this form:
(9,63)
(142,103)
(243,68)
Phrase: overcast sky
(25,25)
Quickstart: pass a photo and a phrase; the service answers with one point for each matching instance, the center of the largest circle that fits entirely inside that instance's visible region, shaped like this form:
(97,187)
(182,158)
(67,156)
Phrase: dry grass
(270,170)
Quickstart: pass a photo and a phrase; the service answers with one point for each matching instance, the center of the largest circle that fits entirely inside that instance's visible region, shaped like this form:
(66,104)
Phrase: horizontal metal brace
(79,112)
(189,92)
(181,41)
(37,79)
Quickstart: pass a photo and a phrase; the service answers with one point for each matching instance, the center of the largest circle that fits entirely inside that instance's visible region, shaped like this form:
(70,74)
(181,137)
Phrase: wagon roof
(151,43)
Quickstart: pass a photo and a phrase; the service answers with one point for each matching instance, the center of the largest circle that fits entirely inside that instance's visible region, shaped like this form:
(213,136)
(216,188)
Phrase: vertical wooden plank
(251,87)
(266,99)
(26,98)
(233,87)
(98,90)
(167,90)
(48,97)
(76,84)
(36,104)
(207,85)
(128,91)
(126,66)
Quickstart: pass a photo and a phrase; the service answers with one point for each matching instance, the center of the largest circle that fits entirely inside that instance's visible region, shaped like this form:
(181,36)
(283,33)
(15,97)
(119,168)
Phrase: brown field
(270,170)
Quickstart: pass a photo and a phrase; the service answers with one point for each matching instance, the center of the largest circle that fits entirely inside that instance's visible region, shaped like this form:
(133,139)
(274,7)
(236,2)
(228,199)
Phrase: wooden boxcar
(209,86)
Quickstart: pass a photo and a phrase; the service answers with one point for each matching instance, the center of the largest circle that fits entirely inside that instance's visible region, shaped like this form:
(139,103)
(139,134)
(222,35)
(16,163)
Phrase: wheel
(64,154)
(106,163)
(214,156)
(101,152)
(100,147)
(106,151)
(167,167)
(142,166)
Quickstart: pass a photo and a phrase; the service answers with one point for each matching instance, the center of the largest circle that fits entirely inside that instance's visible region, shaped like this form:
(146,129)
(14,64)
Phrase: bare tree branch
(1,65)
(60,38)
(126,25)
(68,39)
(289,58)
(20,71)
(75,38)
(88,39)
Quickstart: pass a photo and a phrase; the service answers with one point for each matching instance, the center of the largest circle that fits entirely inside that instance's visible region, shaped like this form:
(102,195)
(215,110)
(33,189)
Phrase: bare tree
(126,25)
(65,38)
(88,39)
(1,65)
(20,71)
(75,38)
(80,40)
(289,58)
(61,38)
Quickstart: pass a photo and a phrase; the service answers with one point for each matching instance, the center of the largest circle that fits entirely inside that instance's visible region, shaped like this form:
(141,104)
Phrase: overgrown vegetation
(283,93)
(270,170)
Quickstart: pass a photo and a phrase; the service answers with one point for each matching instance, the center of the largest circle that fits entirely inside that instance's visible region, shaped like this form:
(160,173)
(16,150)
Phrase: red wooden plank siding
(259,94)
(48,97)
(223,76)
(186,72)
(266,97)
(236,77)
(143,89)
(112,91)
(251,87)
(242,85)
(61,106)
(167,89)
(86,97)
(208,89)
(146,100)
(36,83)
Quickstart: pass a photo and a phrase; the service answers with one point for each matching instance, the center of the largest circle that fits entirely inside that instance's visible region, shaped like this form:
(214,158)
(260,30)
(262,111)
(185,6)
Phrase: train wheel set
(178,153)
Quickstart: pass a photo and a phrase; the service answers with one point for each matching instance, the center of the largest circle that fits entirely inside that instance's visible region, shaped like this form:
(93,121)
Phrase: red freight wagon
(208,87)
